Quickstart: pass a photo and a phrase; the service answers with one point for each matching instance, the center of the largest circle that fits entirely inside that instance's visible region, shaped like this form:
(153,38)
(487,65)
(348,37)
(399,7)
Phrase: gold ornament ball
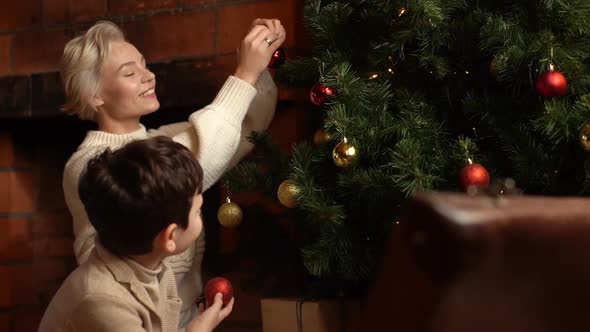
(585,137)
(321,137)
(287,193)
(344,154)
(229,214)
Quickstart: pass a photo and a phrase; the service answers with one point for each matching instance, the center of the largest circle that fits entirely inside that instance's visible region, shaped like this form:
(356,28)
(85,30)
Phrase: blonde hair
(81,64)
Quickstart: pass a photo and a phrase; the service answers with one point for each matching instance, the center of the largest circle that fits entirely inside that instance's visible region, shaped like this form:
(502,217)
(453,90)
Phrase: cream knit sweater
(212,133)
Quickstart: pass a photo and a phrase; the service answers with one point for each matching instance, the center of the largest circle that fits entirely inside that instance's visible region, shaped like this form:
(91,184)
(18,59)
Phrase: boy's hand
(208,319)
(263,39)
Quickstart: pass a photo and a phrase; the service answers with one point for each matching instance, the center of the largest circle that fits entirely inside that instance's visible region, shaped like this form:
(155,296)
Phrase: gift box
(297,315)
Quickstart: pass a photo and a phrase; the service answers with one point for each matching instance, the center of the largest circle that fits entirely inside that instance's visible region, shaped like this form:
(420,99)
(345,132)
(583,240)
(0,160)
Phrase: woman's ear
(166,239)
(97,101)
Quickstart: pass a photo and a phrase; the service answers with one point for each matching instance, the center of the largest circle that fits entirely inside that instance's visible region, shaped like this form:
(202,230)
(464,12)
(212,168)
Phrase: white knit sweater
(212,133)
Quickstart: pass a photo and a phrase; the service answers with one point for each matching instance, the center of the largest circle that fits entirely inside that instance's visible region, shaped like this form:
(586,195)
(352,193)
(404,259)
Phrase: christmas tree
(427,95)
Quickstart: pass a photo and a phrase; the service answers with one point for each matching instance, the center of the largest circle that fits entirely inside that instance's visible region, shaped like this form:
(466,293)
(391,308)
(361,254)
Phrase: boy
(144,201)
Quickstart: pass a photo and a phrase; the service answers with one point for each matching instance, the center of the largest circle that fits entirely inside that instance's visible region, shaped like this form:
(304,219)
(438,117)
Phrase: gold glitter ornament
(585,137)
(229,214)
(287,193)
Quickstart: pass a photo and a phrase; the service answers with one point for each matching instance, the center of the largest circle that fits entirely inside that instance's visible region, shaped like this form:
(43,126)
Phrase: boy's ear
(166,239)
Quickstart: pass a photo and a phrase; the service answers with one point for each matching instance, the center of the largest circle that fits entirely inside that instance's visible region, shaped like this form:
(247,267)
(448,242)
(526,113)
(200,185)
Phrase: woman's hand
(208,319)
(263,39)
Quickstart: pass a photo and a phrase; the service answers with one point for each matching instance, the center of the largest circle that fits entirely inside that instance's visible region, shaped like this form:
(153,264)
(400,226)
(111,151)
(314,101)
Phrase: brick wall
(188,43)
(35,228)
(33,32)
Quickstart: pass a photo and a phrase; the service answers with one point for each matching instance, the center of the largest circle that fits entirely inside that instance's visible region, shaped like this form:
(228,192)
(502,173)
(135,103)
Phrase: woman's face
(128,88)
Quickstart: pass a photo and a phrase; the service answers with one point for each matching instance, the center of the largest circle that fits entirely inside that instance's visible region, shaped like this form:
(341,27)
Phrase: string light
(393,64)
(374,76)
(402,11)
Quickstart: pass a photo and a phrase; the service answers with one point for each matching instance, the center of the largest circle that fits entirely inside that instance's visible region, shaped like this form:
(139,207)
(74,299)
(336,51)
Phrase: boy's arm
(104,313)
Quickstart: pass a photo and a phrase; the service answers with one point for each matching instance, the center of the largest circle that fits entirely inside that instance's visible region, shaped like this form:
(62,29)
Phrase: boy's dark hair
(133,193)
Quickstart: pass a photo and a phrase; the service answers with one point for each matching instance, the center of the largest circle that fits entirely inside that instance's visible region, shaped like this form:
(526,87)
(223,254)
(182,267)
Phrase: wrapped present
(297,315)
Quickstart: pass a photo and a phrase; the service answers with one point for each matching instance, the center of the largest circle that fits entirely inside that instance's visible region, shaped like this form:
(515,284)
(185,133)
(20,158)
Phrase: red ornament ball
(551,84)
(218,285)
(277,59)
(319,93)
(474,175)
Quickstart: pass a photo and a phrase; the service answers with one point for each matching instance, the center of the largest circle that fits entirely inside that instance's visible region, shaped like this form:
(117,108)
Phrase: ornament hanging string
(340,131)
(468,155)
(321,70)
(226,185)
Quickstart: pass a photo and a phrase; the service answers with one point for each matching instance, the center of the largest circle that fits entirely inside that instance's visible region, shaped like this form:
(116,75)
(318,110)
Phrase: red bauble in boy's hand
(218,285)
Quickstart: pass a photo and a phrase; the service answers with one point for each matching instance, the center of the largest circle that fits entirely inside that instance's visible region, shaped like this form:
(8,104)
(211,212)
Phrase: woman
(106,80)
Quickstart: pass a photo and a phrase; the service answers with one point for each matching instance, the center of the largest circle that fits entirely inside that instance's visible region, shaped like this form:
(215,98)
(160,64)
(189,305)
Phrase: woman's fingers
(273,25)
(255,31)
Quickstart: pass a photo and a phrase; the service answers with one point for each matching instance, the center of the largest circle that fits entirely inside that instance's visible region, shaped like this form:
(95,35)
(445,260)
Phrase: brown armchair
(461,263)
